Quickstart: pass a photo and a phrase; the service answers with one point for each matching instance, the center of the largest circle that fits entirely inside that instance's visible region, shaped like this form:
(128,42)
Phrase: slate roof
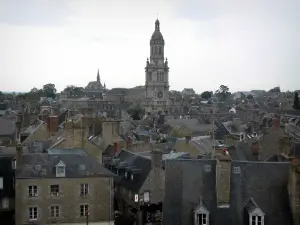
(7,127)
(134,161)
(43,166)
(265,183)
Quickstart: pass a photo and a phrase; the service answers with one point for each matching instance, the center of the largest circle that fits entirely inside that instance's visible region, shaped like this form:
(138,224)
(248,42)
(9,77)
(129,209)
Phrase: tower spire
(98,76)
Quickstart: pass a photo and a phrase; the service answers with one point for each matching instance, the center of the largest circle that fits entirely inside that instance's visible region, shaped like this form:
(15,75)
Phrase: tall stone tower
(157,74)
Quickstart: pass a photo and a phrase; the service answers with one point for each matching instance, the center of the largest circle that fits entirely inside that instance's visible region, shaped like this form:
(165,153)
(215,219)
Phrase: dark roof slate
(134,161)
(43,166)
(266,183)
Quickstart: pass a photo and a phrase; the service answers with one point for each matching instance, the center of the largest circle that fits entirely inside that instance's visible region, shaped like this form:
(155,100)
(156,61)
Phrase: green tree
(296,104)
(223,92)
(275,89)
(49,90)
(206,94)
(74,92)
(249,97)
(135,112)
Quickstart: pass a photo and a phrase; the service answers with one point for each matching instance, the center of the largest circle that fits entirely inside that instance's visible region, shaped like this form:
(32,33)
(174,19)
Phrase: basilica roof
(94,85)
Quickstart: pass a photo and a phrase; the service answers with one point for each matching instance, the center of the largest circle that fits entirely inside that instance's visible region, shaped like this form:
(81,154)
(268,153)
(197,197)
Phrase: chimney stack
(223,174)
(156,158)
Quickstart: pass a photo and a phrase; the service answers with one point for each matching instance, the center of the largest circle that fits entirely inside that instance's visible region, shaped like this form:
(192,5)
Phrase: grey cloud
(34,12)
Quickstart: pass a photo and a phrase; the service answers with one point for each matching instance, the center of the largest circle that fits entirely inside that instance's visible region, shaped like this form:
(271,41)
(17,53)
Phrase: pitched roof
(42,166)
(265,183)
(7,127)
(136,161)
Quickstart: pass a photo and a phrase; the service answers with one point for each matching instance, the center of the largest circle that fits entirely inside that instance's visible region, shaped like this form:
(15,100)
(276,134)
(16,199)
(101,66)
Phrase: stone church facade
(157,74)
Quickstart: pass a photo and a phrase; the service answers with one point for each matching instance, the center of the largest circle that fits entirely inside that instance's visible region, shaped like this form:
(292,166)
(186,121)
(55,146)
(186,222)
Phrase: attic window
(60,169)
(256,215)
(256,220)
(236,170)
(201,216)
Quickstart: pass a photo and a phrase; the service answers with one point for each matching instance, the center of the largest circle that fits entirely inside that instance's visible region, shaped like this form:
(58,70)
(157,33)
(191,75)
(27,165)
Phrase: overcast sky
(244,44)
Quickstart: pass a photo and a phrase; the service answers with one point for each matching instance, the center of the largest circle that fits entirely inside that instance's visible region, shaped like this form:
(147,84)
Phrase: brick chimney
(19,150)
(52,124)
(223,173)
(116,147)
(129,142)
(156,176)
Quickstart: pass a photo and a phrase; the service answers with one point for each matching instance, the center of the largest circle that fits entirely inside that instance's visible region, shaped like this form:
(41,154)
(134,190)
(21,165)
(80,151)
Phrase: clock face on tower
(159,94)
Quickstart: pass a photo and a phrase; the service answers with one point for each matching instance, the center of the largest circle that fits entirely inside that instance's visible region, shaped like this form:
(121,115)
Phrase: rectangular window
(84,210)
(32,191)
(33,213)
(146,196)
(1,182)
(60,171)
(54,190)
(256,220)
(54,211)
(14,164)
(84,189)
(5,203)
(202,219)
(236,169)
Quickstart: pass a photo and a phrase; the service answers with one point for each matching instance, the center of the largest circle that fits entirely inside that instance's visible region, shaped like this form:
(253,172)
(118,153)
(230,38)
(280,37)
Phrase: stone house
(224,191)
(62,189)
(139,188)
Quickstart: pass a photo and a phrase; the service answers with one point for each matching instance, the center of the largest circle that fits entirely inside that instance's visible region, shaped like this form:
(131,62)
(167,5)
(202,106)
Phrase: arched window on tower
(160,50)
(156,49)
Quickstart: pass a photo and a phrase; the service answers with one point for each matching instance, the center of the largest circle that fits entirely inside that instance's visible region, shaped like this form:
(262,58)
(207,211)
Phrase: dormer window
(126,174)
(60,169)
(256,215)
(256,220)
(201,215)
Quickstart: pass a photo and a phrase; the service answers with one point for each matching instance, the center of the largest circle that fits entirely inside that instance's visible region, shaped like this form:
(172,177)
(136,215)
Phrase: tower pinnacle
(98,76)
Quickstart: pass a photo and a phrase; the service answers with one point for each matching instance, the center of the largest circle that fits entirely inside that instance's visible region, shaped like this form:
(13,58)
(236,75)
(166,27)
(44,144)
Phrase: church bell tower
(157,73)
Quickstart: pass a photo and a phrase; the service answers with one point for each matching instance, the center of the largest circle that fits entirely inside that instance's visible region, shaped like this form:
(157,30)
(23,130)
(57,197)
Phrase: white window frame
(5,203)
(201,210)
(146,196)
(84,209)
(84,189)
(54,211)
(203,217)
(53,187)
(60,169)
(33,213)
(237,170)
(14,164)
(33,191)
(255,218)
